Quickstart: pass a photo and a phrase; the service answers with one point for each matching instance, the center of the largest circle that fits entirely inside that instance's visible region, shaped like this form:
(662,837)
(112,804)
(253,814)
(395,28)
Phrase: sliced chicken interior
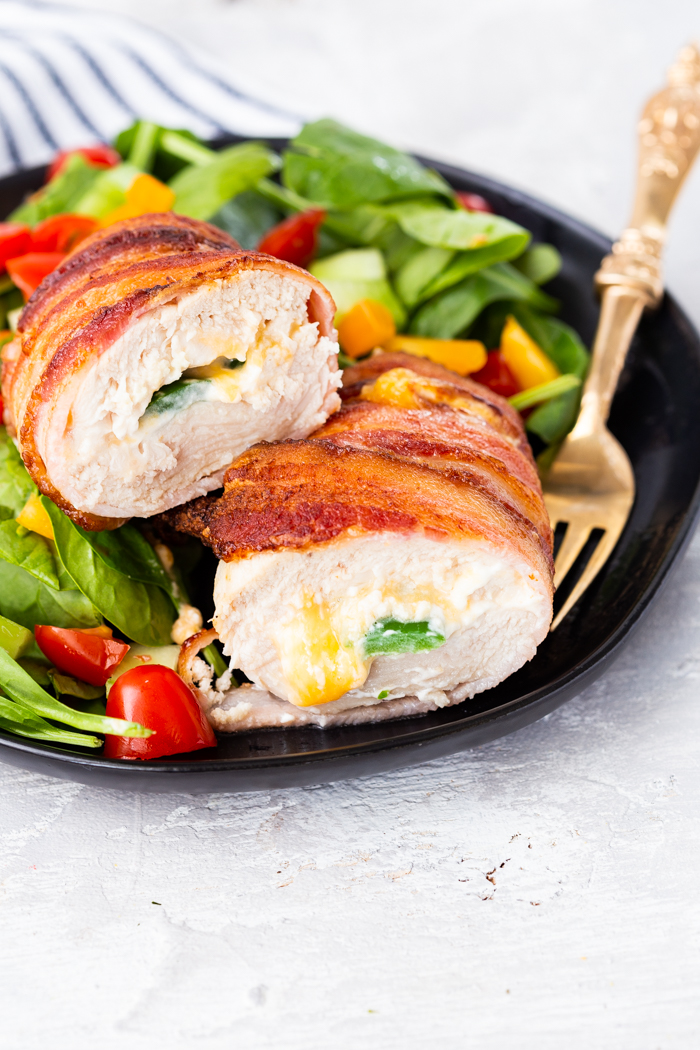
(210,350)
(398,561)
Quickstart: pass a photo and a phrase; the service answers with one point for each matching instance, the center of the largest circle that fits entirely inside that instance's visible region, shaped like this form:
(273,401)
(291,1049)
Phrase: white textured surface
(541,892)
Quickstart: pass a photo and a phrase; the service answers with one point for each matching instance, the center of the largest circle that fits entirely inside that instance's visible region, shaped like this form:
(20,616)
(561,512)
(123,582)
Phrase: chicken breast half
(153,356)
(398,561)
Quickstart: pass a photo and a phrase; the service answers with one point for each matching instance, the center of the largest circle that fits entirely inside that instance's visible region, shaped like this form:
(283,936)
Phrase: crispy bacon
(454,468)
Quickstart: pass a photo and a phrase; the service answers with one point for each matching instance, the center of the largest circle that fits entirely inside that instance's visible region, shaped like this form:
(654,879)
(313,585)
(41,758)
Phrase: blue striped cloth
(72,77)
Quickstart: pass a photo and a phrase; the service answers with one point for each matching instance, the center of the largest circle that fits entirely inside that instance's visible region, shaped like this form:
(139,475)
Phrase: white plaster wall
(538,893)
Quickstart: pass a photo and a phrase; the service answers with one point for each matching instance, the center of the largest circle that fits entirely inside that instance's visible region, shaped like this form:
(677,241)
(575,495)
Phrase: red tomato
(15,239)
(102,156)
(28,271)
(496,375)
(295,239)
(473,202)
(158,698)
(85,656)
(60,233)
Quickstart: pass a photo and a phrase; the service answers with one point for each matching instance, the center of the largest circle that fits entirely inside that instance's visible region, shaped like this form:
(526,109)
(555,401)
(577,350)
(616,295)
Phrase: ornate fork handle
(630,277)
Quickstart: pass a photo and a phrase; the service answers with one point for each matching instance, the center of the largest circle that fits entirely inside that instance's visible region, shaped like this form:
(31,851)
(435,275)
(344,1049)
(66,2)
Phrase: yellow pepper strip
(145,195)
(34,517)
(528,363)
(366,325)
(459,355)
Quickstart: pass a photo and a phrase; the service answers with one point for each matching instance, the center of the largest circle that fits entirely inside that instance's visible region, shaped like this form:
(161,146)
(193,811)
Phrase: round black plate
(655,415)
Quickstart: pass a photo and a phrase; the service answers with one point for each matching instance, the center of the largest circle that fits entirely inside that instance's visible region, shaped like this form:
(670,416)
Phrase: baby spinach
(200,191)
(16,486)
(28,694)
(27,550)
(19,719)
(178,395)
(247,218)
(28,601)
(452,311)
(440,227)
(419,271)
(552,421)
(540,263)
(62,194)
(142,611)
(338,168)
(396,636)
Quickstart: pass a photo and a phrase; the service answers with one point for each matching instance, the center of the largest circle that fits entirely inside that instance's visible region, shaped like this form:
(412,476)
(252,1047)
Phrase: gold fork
(590,485)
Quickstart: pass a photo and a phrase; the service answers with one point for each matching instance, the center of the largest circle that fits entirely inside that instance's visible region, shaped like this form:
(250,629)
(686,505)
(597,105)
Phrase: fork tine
(571,547)
(598,559)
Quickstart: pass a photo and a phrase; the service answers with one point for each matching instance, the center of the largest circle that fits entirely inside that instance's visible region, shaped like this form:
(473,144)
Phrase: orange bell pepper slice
(146,194)
(462,356)
(368,324)
(528,363)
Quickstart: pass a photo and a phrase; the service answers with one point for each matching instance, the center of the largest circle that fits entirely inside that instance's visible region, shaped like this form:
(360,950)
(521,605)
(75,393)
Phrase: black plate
(656,416)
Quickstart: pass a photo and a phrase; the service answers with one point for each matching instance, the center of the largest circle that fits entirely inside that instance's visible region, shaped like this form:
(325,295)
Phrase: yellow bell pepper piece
(459,355)
(366,325)
(34,517)
(146,194)
(528,363)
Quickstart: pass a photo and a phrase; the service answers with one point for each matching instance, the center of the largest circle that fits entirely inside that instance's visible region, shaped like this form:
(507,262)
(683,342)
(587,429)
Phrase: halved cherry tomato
(157,697)
(496,375)
(28,271)
(294,239)
(15,239)
(473,202)
(61,233)
(102,156)
(88,657)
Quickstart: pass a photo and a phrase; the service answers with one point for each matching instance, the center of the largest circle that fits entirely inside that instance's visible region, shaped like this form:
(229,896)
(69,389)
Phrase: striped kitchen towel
(70,77)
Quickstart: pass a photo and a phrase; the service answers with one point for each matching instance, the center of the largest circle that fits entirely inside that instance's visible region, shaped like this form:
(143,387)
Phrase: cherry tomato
(473,202)
(60,233)
(158,698)
(28,271)
(102,156)
(294,239)
(15,239)
(83,655)
(496,375)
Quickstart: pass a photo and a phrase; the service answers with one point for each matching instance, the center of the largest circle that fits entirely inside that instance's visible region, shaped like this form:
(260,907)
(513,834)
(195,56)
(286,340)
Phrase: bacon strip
(455,468)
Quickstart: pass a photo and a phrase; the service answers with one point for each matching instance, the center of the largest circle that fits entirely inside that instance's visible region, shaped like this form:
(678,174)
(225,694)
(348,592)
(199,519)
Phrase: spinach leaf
(16,486)
(19,719)
(247,218)
(419,271)
(553,420)
(22,688)
(453,310)
(201,191)
(396,636)
(61,194)
(441,227)
(28,551)
(29,601)
(178,395)
(333,166)
(467,263)
(141,611)
(128,552)
(540,263)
